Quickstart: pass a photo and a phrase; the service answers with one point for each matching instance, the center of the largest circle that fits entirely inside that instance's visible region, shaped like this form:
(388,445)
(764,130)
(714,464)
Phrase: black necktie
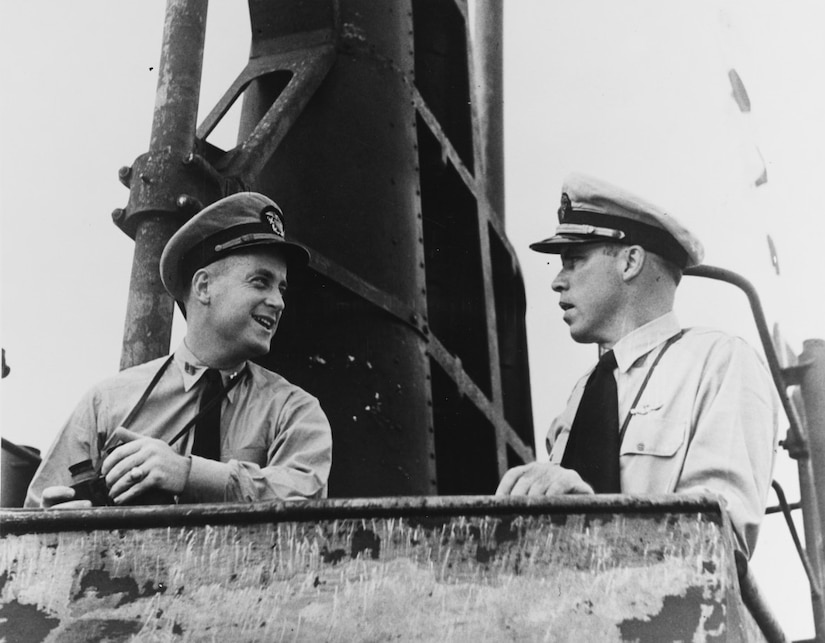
(593,446)
(208,427)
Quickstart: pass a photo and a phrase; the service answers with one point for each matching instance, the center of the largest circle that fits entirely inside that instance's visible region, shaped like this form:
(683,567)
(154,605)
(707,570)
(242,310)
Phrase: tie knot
(213,379)
(608,361)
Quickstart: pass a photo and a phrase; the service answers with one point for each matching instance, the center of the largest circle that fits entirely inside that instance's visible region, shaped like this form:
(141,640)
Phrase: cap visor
(559,242)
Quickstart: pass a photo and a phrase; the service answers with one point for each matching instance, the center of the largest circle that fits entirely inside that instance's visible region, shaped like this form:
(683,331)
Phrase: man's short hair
(664,265)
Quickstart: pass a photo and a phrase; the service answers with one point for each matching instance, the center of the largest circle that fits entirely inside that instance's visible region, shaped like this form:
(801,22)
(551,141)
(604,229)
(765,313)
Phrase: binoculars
(89,484)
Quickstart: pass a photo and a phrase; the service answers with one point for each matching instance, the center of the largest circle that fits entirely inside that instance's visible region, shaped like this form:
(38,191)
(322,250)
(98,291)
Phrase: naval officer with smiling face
(666,409)
(205,424)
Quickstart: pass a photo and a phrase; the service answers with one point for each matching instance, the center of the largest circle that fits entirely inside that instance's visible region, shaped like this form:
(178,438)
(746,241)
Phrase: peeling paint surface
(481,578)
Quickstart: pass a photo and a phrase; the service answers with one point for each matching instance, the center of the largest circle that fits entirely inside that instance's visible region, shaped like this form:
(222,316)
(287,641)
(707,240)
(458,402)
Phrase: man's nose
(276,299)
(559,283)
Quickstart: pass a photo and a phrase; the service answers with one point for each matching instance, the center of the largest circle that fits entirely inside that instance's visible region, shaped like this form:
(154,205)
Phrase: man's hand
(541,479)
(60,497)
(141,464)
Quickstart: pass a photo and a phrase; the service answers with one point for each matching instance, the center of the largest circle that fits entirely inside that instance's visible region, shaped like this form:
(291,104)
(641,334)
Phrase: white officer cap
(594,211)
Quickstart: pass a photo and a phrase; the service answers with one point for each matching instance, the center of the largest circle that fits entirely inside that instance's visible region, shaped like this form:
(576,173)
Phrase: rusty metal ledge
(22,521)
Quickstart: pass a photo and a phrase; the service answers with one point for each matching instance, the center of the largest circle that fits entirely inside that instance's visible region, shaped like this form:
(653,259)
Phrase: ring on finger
(136,473)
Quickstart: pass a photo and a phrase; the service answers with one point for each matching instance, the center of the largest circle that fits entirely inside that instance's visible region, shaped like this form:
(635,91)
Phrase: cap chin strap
(632,232)
(247,239)
(581,228)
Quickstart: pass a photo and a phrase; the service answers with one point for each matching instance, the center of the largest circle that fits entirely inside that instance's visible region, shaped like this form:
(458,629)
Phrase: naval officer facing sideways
(205,424)
(666,409)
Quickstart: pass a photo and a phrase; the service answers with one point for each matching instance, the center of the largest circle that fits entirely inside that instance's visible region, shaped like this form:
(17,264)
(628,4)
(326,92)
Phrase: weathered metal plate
(435,569)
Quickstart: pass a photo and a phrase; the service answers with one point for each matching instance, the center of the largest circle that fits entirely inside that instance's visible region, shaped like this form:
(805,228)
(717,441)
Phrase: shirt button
(640,446)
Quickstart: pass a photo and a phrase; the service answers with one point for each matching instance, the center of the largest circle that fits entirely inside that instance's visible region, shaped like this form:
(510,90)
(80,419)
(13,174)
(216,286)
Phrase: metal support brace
(307,69)
(797,442)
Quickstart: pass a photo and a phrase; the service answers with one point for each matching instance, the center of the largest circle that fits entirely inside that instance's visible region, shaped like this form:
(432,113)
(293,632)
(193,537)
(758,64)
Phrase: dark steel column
(155,184)
(354,332)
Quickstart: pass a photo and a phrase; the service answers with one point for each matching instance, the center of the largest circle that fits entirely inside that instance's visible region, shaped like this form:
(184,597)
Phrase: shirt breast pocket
(648,435)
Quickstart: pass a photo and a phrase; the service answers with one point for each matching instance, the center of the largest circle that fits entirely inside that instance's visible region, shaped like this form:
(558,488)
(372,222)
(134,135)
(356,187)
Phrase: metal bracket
(308,68)
(163,181)
(793,374)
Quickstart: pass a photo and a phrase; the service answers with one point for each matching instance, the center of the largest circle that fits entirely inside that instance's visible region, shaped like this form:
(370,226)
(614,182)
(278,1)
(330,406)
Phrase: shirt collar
(644,339)
(192,369)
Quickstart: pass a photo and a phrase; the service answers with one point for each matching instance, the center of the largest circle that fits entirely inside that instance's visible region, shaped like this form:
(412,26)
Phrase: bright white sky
(634,91)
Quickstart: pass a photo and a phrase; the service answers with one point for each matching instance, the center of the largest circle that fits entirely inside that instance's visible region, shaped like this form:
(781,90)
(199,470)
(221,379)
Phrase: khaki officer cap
(594,211)
(234,223)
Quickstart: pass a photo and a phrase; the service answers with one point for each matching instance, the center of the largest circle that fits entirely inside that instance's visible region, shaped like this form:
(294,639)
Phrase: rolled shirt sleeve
(296,466)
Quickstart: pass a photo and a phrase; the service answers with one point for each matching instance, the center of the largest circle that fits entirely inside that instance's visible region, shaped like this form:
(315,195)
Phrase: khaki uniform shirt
(275,440)
(706,421)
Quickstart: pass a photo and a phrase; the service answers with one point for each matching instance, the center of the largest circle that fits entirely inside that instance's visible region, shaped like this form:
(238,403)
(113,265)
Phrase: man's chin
(580,337)
(257,349)
(262,350)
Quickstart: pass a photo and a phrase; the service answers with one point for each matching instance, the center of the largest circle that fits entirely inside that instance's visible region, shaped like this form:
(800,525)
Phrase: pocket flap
(648,435)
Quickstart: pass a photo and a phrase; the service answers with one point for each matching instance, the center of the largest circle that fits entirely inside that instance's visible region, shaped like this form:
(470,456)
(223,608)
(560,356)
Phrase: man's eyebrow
(266,272)
(261,272)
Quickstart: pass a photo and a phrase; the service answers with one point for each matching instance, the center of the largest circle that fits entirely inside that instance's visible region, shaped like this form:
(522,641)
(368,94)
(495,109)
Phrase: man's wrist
(207,480)
(185,481)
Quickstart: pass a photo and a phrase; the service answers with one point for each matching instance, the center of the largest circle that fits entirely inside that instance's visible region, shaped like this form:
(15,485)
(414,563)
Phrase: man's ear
(200,286)
(634,258)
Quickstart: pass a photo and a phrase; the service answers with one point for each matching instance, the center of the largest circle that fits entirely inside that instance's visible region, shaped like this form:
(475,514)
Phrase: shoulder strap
(667,345)
(136,409)
(103,441)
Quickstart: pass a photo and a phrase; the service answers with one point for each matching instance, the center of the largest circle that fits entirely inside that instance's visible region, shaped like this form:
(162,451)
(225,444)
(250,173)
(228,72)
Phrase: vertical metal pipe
(179,76)
(148,326)
(369,369)
(813,540)
(813,397)
(488,47)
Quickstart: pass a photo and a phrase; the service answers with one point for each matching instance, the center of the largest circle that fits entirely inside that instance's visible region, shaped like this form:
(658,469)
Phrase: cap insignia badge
(274,219)
(566,208)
